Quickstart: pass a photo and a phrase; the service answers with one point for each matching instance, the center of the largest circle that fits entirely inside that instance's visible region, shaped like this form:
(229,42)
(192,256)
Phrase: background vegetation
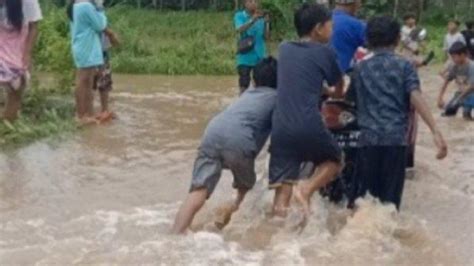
(202,40)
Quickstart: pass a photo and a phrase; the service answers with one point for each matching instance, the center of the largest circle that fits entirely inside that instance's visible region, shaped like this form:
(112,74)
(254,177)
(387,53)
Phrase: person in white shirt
(409,45)
(453,36)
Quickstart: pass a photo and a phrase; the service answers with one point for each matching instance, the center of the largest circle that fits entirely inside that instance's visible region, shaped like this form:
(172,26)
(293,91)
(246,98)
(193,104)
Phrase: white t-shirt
(407,40)
(406,31)
(450,39)
(31,13)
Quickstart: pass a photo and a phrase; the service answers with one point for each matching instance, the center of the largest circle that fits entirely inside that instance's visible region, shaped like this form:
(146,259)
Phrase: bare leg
(304,191)
(188,210)
(104,101)
(84,94)
(281,202)
(225,212)
(13,103)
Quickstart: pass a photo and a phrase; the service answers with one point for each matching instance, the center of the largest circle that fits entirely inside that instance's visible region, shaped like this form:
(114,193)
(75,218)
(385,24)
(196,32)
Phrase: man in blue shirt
(348,32)
(251,22)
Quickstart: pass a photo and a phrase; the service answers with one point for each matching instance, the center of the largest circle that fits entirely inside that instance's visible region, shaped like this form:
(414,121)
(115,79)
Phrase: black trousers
(380,171)
(245,77)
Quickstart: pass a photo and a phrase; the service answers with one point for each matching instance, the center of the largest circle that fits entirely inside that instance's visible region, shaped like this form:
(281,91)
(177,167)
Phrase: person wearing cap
(348,32)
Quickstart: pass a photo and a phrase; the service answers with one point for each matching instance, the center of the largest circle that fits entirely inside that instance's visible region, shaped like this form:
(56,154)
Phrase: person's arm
(442,92)
(96,18)
(30,43)
(333,74)
(114,40)
(423,110)
(267,27)
(242,26)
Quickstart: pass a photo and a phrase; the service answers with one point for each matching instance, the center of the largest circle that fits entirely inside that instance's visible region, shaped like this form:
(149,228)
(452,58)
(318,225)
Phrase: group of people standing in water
(284,105)
(285,100)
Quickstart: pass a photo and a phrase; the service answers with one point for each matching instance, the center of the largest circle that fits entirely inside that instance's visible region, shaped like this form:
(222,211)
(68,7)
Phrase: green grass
(168,42)
(45,113)
(173,42)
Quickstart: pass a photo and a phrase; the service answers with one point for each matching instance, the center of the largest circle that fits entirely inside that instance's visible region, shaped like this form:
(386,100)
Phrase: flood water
(108,195)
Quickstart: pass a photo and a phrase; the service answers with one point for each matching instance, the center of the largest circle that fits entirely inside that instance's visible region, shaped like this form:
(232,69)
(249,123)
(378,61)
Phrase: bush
(53,52)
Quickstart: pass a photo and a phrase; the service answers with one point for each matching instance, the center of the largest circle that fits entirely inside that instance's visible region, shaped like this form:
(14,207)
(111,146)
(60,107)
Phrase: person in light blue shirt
(88,22)
(251,22)
(348,32)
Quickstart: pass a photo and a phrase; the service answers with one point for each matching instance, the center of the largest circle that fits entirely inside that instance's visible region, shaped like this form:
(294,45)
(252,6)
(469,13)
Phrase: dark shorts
(381,172)
(208,170)
(103,80)
(245,77)
(288,169)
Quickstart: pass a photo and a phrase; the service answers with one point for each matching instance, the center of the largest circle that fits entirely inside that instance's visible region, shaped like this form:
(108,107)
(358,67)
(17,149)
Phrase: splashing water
(109,195)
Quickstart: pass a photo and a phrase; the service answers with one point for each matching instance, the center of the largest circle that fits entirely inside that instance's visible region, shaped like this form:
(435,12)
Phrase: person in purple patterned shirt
(386,85)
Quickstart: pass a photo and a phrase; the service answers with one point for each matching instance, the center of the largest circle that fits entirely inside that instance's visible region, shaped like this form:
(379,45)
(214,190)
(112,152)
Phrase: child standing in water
(88,22)
(462,71)
(386,86)
(232,140)
(299,134)
(18,33)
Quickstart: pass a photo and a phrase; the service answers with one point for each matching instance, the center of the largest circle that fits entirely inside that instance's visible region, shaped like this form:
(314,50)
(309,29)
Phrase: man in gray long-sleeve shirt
(232,140)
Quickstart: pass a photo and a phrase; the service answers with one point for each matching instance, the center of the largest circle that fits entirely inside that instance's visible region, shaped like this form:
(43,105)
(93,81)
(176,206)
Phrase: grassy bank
(45,113)
(168,42)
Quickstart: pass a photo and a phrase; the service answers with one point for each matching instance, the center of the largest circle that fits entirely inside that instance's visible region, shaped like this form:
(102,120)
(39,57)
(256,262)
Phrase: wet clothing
(348,35)
(381,172)
(233,139)
(208,169)
(299,133)
(13,43)
(453,106)
(257,31)
(86,31)
(383,85)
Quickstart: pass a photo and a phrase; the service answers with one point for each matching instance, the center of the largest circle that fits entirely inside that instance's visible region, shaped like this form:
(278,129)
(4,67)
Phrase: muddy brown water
(108,195)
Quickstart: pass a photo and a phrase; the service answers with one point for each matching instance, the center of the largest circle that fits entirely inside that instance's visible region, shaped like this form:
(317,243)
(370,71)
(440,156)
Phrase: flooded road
(108,195)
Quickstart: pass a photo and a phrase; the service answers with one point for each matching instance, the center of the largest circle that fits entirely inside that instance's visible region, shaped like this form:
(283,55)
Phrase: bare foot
(105,116)
(223,215)
(302,198)
(281,212)
(86,121)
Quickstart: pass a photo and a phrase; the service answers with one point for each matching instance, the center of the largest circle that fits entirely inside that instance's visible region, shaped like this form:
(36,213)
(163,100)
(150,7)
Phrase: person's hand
(257,15)
(440,145)
(114,40)
(441,103)
(27,61)
(267,18)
